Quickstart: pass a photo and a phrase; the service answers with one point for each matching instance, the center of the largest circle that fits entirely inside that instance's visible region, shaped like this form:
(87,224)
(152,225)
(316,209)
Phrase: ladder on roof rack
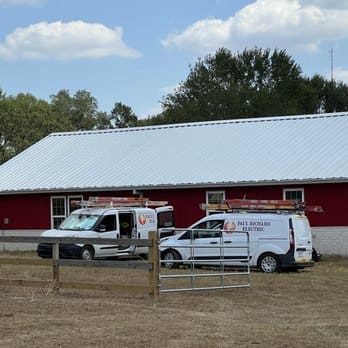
(119,202)
(265,205)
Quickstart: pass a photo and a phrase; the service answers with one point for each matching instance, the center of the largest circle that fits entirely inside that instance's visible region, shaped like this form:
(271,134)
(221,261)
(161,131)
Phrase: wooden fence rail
(152,265)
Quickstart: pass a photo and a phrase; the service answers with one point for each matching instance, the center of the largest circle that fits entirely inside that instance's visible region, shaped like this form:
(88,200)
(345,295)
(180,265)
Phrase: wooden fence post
(154,260)
(55,260)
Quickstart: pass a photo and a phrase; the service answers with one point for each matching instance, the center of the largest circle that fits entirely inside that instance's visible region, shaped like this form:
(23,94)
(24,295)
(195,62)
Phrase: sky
(137,51)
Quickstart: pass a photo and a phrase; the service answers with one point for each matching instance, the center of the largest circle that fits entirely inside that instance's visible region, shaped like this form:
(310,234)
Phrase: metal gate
(204,259)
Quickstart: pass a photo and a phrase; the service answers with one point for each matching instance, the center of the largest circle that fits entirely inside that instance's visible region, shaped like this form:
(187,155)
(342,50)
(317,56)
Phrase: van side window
(210,225)
(109,221)
(207,234)
(186,235)
(205,225)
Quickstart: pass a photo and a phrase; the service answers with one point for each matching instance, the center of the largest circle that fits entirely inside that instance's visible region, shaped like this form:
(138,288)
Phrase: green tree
(102,121)
(317,85)
(335,97)
(330,96)
(123,116)
(255,82)
(78,112)
(152,120)
(24,120)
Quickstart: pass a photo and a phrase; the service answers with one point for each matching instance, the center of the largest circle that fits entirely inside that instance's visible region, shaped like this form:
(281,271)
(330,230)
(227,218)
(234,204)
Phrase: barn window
(58,211)
(61,207)
(71,206)
(214,197)
(295,194)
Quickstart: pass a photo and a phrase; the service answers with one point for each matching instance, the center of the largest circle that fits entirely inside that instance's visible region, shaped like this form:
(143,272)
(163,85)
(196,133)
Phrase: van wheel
(268,263)
(87,253)
(171,255)
(315,256)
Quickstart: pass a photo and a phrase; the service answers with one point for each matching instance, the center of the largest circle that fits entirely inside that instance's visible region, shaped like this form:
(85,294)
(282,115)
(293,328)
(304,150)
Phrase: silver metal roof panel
(246,151)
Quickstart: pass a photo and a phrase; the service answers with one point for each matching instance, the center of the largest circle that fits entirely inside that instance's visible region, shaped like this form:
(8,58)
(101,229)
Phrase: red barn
(293,157)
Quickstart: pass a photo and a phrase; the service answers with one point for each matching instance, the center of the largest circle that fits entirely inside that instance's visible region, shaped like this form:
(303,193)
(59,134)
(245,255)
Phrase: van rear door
(302,238)
(165,221)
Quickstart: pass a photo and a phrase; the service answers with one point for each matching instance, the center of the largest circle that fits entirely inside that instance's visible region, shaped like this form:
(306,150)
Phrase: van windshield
(78,222)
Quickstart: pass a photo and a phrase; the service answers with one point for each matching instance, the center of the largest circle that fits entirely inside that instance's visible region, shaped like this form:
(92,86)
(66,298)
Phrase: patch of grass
(308,308)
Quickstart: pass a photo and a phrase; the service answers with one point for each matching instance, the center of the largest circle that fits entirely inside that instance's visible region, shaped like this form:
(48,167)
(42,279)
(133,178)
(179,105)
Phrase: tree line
(252,83)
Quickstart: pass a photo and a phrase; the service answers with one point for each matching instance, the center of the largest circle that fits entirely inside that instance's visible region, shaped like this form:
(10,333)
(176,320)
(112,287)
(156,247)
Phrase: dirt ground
(308,308)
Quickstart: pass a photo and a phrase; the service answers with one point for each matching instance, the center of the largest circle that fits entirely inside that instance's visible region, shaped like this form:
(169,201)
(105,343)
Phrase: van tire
(315,256)
(169,255)
(87,253)
(268,263)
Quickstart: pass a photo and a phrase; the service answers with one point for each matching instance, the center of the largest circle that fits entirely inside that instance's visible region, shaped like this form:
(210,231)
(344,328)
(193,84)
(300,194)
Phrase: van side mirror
(101,228)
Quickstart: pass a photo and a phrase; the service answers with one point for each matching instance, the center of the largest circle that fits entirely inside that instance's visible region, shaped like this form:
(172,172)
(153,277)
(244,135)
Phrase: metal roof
(308,148)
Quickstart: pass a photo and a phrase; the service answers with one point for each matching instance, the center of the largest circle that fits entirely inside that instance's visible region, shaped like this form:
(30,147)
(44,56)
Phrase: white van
(107,222)
(277,241)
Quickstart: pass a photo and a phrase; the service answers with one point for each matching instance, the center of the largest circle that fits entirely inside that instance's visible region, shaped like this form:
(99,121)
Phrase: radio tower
(331,52)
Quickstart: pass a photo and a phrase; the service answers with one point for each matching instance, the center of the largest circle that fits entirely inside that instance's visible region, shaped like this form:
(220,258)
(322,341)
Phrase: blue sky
(136,51)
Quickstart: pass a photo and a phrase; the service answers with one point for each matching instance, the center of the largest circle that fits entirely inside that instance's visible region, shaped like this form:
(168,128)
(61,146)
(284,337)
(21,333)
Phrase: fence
(207,247)
(156,275)
(151,265)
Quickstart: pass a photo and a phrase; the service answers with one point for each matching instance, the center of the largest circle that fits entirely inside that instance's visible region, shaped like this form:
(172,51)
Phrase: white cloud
(21,2)
(266,23)
(326,3)
(340,75)
(65,41)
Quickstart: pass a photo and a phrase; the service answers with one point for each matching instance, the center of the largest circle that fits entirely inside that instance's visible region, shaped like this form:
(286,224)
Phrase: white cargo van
(104,219)
(280,240)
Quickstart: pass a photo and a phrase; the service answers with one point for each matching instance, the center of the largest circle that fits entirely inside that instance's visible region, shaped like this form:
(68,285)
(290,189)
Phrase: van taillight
(292,239)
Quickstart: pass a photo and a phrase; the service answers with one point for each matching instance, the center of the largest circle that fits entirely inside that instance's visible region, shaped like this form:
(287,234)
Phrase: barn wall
(331,240)
(33,211)
(19,246)
(332,198)
(24,212)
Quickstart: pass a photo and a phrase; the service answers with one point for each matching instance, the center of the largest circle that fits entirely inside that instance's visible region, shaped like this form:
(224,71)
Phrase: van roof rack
(261,205)
(118,202)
